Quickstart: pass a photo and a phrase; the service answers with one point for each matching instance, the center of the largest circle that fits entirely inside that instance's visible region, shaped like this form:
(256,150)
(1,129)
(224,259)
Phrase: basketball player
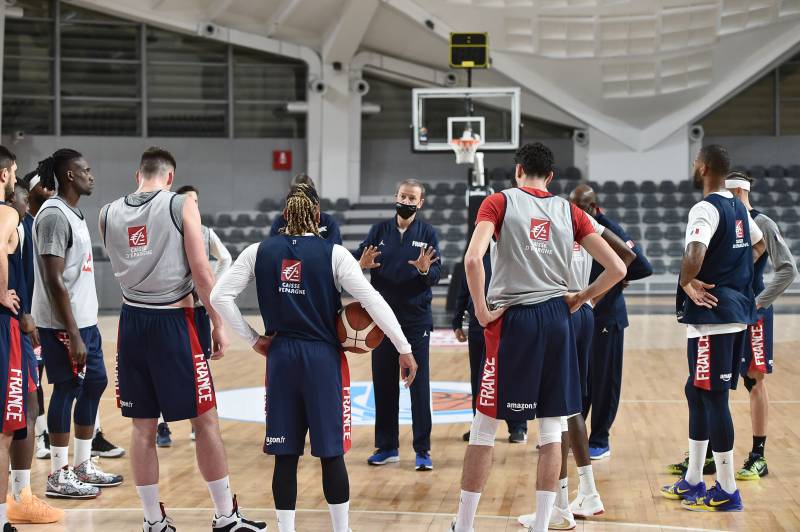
(517,430)
(65,311)
(299,278)
(23,505)
(13,367)
(610,321)
(328,227)
(573,429)
(715,300)
(222,261)
(531,364)
(401,256)
(155,243)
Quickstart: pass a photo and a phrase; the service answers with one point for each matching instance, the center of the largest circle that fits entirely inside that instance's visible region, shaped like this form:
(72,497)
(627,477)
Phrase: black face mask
(405,211)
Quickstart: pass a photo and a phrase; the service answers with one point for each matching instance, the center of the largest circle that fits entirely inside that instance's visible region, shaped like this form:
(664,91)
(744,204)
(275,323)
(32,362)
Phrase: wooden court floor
(650,431)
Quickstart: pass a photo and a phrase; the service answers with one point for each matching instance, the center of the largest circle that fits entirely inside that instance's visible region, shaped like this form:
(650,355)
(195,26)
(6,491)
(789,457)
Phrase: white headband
(737,183)
(34,181)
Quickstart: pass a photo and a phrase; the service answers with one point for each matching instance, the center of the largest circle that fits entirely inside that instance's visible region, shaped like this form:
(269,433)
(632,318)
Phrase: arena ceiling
(638,70)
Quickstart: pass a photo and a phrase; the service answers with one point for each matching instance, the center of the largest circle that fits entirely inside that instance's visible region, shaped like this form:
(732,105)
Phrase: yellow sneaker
(31,509)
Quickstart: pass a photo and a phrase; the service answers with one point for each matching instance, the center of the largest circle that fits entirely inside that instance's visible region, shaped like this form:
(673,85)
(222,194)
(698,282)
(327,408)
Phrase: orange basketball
(356,330)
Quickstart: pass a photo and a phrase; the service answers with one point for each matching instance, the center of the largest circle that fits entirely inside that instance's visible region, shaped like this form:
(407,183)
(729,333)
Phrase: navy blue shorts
(203,325)
(531,366)
(714,359)
(309,391)
(59,365)
(161,367)
(14,372)
(758,347)
(29,357)
(583,328)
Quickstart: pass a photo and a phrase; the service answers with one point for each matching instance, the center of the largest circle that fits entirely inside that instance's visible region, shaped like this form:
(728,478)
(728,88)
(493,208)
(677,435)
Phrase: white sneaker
(165,525)
(560,519)
(43,445)
(587,505)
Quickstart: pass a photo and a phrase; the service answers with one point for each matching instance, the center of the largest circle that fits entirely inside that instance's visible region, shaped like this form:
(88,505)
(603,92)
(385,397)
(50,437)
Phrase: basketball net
(465,147)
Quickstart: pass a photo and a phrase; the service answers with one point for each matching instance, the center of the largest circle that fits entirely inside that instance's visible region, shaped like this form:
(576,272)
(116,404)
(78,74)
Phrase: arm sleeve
(581,223)
(782,262)
(334,233)
(703,222)
(348,276)
(435,271)
(640,267)
(462,302)
(52,234)
(756,235)
(219,252)
(230,285)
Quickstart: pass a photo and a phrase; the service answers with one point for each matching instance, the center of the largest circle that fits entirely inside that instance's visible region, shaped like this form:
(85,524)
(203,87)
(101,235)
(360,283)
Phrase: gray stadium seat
(781,185)
(776,171)
(460,188)
(648,187)
(224,220)
(764,200)
(436,217)
(499,174)
(667,187)
(573,173)
(441,189)
(236,236)
(440,202)
(688,199)
(794,171)
(674,233)
(207,219)
(651,216)
(673,216)
(669,201)
(685,186)
(675,249)
(758,172)
(452,252)
(650,201)
(555,188)
(631,217)
(634,232)
(455,234)
(793,232)
(325,204)
(655,250)
(630,201)
(500,185)
(653,232)
(269,204)
(784,200)
(458,216)
(610,187)
(796,249)
(675,266)
(341,204)
(629,187)
(611,201)
(262,220)
(659,268)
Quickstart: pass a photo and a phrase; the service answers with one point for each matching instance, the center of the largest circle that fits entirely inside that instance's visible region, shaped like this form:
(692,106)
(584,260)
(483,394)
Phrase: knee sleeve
(699,428)
(335,483)
(749,383)
(549,430)
(88,401)
(284,482)
(720,420)
(483,430)
(59,413)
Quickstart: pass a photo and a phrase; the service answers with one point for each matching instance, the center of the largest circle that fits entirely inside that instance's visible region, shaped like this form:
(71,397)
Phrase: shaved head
(584,198)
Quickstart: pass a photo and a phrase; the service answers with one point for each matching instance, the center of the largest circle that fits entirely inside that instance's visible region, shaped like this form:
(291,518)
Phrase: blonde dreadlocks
(301,212)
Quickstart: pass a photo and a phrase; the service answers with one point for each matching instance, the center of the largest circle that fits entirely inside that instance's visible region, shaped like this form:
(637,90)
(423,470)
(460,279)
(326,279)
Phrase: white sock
(544,509)
(586,480)
(220,491)
(41,425)
(697,457)
(161,418)
(20,479)
(285,520)
(83,451)
(150,503)
(339,516)
(3,518)
(59,457)
(725,474)
(467,507)
(562,499)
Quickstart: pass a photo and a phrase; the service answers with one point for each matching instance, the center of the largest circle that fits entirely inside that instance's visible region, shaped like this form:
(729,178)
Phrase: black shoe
(236,522)
(163,438)
(465,437)
(105,449)
(9,528)
(518,436)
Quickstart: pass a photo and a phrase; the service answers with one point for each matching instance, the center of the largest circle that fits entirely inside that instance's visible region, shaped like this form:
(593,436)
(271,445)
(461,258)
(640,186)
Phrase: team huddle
(542,272)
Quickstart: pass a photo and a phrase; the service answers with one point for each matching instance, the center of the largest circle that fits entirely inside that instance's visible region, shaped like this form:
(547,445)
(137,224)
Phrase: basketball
(356,330)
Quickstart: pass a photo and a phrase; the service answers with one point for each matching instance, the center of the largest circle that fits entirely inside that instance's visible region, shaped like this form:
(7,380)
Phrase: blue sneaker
(163,434)
(716,500)
(389,456)
(424,462)
(598,453)
(683,490)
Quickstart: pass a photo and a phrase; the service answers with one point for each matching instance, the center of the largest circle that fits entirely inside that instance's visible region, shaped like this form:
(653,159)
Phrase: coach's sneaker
(560,519)
(31,509)
(381,457)
(587,505)
(598,453)
(518,436)
(163,435)
(683,490)
(424,462)
(105,449)
(43,445)
(235,522)
(165,525)
(709,467)
(754,468)
(63,484)
(716,500)
(88,473)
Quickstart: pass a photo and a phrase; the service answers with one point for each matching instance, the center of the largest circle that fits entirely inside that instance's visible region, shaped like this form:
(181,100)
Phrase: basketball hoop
(465,149)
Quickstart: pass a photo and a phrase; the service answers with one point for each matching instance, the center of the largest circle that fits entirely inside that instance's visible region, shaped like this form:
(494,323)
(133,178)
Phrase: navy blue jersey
(328,228)
(296,291)
(611,309)
(759,266)
(401,285)
(27,260)
(464,300)
(728,265)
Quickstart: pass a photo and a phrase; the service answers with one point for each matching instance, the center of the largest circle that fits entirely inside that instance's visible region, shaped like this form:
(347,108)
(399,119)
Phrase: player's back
(297,293)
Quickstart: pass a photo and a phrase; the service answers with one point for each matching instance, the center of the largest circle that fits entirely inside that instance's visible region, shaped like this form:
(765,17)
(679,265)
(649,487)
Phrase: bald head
(584,198)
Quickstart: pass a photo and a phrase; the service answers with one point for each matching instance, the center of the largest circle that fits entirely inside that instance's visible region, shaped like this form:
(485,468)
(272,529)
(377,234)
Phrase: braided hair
(55,167)
(302,205)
